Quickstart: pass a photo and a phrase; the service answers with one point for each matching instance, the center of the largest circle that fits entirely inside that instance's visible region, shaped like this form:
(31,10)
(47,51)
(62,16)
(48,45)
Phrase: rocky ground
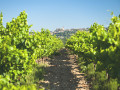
(63,73)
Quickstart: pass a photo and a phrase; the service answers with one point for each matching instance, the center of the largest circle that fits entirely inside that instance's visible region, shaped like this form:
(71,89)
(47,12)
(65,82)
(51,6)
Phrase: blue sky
(52,14)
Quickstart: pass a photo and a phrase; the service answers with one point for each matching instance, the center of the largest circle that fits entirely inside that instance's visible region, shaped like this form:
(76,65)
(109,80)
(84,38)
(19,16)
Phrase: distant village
(60,30)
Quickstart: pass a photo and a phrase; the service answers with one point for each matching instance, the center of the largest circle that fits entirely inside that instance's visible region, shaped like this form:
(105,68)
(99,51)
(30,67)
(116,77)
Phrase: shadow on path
(59,75)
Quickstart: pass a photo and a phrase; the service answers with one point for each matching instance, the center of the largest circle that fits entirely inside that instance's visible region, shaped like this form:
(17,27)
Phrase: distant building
(59,30)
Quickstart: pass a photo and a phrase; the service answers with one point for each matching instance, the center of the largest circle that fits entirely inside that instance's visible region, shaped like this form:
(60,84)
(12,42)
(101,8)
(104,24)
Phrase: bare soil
(63,73)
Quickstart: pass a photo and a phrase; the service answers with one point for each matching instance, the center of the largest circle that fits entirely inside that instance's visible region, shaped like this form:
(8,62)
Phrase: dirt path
(63,74)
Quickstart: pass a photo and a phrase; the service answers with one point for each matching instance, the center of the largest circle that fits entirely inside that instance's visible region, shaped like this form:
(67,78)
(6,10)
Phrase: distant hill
(64,34)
